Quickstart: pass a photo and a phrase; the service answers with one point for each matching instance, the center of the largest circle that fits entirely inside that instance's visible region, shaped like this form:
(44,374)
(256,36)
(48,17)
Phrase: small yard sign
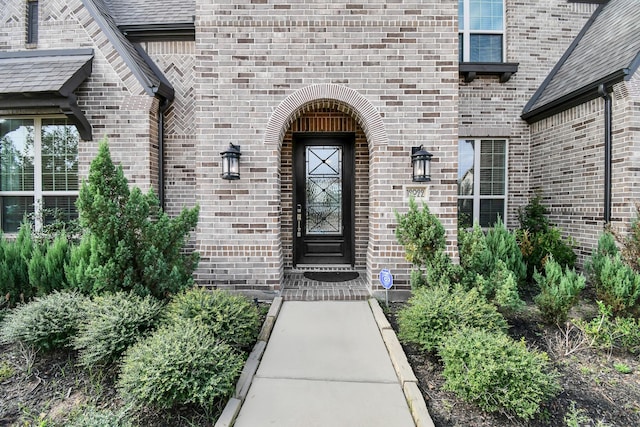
(386,279)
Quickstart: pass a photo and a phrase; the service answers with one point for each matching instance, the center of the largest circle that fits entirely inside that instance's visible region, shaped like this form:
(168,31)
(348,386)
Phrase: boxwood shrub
(179,364)
(497,373)
(232,318)
(433,313)
(114,322)
(47,322)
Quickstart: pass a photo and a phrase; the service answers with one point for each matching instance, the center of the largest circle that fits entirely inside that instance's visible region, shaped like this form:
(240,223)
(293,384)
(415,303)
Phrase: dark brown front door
(323,202)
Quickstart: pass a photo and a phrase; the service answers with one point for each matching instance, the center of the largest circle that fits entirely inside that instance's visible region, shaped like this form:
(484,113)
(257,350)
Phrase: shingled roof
(149,76)
(145,12)
(46,78)
(606,51)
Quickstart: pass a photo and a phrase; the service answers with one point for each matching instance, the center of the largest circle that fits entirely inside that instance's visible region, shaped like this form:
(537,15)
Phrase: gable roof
(142,67)
(606,51)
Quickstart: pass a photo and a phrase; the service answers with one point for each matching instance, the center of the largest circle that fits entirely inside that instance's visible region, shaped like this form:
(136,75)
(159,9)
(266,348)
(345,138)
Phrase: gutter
(164,105)
(608,119)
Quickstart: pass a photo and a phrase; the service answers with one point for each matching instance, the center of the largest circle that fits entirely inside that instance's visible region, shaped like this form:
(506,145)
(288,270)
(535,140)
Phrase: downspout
(608,118)
(164,104)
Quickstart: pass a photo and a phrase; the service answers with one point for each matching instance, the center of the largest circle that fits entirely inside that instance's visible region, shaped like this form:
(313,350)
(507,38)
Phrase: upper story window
(481,30)
(32,22)
(482,181)
(38,170)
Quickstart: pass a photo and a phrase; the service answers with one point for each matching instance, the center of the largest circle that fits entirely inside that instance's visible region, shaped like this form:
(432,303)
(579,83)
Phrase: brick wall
(254,62)
(567,164)
(112,99)
(537,32)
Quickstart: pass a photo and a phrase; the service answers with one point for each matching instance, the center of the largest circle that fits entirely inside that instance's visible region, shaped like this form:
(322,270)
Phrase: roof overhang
(573,99)
(159,32)
(45,79)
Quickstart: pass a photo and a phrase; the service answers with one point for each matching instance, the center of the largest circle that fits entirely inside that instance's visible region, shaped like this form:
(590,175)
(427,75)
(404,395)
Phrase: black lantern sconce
(231,162)
(421,164)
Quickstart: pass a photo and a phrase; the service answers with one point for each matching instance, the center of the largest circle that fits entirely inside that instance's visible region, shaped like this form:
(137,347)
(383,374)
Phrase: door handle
(299,220)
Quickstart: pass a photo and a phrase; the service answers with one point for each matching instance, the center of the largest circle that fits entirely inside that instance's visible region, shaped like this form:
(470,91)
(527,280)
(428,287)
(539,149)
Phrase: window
(482,191)
(38,169)
(32,22)
(481,34)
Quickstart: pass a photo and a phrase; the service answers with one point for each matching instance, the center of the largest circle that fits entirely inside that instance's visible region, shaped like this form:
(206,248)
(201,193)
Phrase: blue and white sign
(386,279)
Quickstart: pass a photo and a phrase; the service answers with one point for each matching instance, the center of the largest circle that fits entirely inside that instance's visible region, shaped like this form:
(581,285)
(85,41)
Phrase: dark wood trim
(347,141)
(504,70)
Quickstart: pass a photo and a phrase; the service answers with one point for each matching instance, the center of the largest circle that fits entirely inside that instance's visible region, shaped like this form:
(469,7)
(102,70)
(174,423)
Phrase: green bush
(631,243)
(47,322)
(93,417)
(433,313)
(439,270)
(618,286)
(47,264)
(497,373)
(114,322)
(558,291)
(606,249)
(133,244)
(608,333)
(14,266)
(475,257)
(538,239)
(231,318)
(501,288)
(421,234)
(502,245)
(179,364)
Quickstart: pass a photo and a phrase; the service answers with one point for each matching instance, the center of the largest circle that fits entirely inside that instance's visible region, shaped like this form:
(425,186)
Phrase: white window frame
(466,31)
(38,193)
(476,197)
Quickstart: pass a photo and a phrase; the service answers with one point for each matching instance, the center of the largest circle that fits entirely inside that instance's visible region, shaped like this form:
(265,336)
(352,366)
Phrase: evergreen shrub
(497,373)
(538,240)
(47,264)
(502,245)
(14,266)
(112,323)
(421,234)
(130,243)
(558,291)
(232,319)
(433,313)
(47,322)
(606,249)
(179,364)
(618,286)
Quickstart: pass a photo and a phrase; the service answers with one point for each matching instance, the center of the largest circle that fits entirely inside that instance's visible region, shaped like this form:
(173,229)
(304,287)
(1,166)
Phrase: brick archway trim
(325,95)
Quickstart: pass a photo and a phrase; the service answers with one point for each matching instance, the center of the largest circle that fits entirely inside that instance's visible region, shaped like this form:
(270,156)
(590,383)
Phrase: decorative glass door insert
(324,190)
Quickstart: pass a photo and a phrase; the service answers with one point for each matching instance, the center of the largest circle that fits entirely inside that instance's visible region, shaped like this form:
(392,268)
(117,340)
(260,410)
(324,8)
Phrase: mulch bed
(589,380)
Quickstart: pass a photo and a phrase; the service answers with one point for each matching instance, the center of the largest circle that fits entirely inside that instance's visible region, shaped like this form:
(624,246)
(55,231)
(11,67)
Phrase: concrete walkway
(325,364)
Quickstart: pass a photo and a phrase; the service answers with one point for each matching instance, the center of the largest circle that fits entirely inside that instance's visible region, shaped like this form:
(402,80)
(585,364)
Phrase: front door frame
(347,141)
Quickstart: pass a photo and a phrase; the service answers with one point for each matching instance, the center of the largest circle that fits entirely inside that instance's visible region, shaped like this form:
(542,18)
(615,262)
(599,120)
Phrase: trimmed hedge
(497,373)
(113,323)
(180,364)
(232,319)
(434,313)
(47,322)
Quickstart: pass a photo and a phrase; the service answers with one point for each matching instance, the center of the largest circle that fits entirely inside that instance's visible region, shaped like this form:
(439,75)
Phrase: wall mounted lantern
(421,164)
(231,162)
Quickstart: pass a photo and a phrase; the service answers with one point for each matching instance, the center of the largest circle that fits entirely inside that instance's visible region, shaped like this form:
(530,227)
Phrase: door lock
(299,220)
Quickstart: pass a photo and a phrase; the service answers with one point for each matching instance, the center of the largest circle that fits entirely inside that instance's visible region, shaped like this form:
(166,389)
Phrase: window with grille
(482,185)
(481,30)
(38,170)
